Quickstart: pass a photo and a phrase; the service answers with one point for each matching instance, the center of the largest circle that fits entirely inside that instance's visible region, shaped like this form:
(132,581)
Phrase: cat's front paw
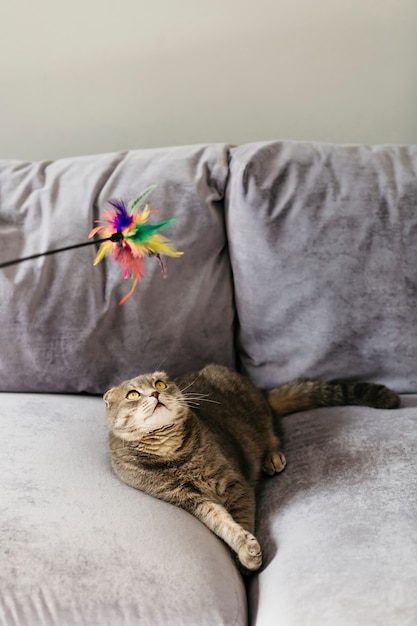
(274,463)
(250,554)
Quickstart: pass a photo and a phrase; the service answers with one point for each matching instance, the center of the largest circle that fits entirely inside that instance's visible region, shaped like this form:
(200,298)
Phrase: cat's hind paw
(274,463)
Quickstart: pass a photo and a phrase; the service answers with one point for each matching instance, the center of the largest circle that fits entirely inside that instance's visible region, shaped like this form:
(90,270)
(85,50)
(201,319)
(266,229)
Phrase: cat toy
(127,236)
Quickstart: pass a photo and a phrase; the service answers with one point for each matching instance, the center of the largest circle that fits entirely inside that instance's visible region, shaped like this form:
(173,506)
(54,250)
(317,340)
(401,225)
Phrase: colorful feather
(129,238)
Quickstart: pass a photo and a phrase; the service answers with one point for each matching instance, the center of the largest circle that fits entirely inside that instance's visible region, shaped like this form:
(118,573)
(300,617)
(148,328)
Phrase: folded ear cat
(203,440)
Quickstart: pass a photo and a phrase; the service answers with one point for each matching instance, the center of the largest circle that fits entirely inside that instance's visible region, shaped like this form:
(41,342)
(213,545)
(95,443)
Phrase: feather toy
(135,240)
(127,236)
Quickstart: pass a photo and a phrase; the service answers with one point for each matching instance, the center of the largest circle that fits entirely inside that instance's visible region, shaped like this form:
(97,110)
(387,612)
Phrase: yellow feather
(102,251)
(158,245)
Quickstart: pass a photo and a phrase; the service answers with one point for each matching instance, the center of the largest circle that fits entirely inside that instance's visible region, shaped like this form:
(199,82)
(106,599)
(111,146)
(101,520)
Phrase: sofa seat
(79,547)
(338,527)
(83,548)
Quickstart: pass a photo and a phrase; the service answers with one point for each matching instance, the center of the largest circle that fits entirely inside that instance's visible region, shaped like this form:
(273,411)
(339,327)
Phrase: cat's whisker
(201,398)
(191,383)
(187,403)
(197,397)
(160,364)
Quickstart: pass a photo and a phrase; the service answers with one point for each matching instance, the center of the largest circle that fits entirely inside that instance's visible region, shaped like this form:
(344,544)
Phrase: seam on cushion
(229,149)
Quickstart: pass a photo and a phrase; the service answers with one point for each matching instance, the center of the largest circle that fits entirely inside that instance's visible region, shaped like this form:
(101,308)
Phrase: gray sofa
(300,260)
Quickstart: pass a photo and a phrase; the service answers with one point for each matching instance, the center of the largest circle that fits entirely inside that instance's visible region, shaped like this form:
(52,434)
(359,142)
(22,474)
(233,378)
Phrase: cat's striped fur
(203,440)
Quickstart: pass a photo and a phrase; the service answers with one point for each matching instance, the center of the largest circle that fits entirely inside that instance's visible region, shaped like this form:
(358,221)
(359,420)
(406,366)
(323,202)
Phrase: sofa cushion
(338,526)
(80,548)
(61,327)
(323,245)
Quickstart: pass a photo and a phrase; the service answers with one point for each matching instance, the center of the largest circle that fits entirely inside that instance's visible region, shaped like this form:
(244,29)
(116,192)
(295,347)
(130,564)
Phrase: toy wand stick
(114,238)
(128,237)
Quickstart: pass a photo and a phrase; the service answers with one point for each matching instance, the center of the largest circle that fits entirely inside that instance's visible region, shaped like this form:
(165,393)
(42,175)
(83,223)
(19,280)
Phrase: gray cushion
(61,327)
(323,245)
(338,526)
(78,547)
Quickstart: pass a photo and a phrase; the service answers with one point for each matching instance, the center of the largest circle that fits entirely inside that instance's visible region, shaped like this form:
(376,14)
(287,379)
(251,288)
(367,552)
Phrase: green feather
(142,232)
(135,204)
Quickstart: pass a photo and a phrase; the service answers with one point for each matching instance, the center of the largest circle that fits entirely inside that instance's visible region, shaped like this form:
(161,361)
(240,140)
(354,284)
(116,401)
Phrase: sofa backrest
(300,259)
(61,327)
(323,246)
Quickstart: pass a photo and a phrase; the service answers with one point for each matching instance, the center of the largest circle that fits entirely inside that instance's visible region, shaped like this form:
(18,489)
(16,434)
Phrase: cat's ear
(107,397)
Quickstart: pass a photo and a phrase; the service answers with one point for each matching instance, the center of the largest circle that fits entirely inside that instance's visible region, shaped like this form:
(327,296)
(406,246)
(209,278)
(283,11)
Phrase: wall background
(87,76)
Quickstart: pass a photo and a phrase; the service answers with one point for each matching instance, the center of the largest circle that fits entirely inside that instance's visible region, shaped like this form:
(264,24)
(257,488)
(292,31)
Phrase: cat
(202,441)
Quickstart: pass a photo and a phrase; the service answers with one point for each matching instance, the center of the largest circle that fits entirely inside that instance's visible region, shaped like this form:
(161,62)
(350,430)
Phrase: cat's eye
(160,385)
(133,394)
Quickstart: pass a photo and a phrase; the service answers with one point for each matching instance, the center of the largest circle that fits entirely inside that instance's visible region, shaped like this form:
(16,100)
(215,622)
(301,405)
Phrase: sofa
(300,260)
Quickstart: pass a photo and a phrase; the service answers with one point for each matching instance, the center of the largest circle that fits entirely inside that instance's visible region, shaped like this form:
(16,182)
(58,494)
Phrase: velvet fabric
(338,526)
(300,260)
(323,247)
(80,548)
(61,327)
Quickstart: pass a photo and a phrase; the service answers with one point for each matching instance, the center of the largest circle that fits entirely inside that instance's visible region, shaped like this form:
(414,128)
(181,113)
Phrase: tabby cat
(202,441)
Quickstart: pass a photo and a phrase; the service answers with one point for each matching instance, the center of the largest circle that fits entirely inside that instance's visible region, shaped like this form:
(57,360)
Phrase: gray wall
(86,76)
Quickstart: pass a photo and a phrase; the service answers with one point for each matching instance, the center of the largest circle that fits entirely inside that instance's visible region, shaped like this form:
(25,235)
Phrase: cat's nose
(155,394)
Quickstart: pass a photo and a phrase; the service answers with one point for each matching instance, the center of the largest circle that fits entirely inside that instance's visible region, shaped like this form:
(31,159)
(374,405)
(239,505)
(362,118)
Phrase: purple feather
(121,218)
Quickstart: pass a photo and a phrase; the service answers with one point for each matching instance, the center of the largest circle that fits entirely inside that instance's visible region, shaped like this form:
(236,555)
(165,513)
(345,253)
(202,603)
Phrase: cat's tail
(301,395)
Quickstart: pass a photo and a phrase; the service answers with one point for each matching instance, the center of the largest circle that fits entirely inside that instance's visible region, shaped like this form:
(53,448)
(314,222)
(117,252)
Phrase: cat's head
(142,405)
